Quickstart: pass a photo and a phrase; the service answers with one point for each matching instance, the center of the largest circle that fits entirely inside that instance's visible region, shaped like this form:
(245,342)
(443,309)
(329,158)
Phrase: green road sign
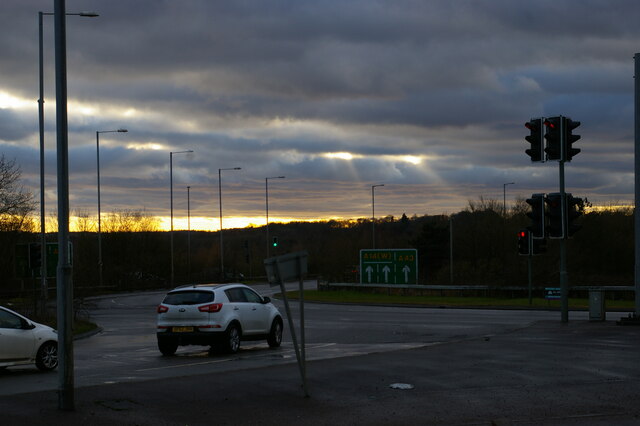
(52,258)
(25,269)
(389,266)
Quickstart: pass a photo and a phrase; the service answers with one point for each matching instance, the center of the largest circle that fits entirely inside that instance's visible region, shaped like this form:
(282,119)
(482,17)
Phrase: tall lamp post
(189,232)
(266,191)
(43,241)
(220,202)
(504,197)
(373,215)
(171,197)
(99,210)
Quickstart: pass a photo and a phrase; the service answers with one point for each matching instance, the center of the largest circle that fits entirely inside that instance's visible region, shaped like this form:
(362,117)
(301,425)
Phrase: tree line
(475,246)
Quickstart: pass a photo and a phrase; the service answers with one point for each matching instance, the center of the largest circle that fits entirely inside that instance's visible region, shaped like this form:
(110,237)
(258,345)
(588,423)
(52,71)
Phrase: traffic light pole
(637,182)
(564,284)
(530,265)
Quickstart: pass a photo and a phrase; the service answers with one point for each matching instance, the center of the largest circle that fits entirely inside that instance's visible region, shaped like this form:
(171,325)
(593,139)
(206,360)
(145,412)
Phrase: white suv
(216,314)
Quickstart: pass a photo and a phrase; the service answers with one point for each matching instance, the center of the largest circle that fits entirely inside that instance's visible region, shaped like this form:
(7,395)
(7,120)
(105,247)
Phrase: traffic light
(275,241)
(573,212)
(536,139)
(538,246)
(35,255)
(524,242)
(554,138)
(537,216)
(555,224)
(570,138)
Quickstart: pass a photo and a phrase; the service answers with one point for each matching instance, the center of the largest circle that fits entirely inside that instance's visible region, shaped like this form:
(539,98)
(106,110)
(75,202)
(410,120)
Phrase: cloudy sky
(426,97)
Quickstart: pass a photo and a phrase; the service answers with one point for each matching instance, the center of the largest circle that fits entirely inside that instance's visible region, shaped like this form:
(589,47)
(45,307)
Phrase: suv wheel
(275,335)
(232,339)
(167,347)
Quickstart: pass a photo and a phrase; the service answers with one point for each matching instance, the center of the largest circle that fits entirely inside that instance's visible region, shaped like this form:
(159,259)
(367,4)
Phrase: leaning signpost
(290,267)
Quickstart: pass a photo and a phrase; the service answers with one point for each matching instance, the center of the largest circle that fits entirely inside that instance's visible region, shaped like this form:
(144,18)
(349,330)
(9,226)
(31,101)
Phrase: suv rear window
(194,297)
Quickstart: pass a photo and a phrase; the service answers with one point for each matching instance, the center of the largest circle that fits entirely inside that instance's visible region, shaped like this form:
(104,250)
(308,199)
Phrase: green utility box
(597,310)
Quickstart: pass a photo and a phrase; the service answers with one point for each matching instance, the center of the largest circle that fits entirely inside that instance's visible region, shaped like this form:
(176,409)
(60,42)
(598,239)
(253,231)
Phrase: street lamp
(373,215)
(189,232)
(504,197)
(43,242)
(99,211)
(266,191)
(220,201)
(171,196)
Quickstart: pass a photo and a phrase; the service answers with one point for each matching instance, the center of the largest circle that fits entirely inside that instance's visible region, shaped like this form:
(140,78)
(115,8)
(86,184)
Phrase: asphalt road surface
(463,366)
(125,350)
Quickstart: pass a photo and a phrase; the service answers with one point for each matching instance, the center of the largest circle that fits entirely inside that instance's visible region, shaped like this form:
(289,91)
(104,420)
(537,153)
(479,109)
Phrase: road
(125,350)
(464,367)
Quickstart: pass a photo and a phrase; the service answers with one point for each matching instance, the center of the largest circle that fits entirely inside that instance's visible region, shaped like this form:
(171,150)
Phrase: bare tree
(51,221)
(520,207)
(84,223)
(130,221)
(483,205)
(15,203)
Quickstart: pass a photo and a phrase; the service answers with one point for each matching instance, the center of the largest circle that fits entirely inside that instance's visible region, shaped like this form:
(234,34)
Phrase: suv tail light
(214,307)
(162,309)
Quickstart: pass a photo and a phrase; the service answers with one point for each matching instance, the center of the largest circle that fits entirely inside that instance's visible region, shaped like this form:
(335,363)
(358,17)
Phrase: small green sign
(389,266)
(52,258)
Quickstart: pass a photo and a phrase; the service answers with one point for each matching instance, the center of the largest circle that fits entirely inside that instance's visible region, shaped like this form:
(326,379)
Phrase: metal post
(504,197)
(221,243)
(266,192)
(189,232)
(451,249)
(100,263)
(99,211)
(292,329)
(171,220)
(43,240)
(637,182)
(171,202)
(564,284)
(373,216)
(220,202)
(43,234)
(530,271)
(64,285)
(302,336)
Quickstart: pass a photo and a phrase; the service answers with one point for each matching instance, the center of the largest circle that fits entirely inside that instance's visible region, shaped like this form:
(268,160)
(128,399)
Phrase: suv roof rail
(202,285)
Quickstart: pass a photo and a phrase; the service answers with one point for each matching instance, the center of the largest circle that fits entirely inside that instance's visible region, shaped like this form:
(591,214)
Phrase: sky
(426,97)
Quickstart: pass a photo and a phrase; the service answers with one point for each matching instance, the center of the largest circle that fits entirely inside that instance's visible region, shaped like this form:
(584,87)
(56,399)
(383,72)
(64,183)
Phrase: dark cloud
(272,86)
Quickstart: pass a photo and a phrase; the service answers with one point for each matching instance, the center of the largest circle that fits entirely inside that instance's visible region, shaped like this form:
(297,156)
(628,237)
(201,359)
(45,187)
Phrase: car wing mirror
(26,325)
(266,299)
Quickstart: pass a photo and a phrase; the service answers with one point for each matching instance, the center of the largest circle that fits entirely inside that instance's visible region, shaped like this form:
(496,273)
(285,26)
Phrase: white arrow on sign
(386,271)
(406,271)
(369,270)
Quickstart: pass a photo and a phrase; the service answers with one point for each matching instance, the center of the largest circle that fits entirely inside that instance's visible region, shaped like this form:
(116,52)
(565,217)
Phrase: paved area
(549,373)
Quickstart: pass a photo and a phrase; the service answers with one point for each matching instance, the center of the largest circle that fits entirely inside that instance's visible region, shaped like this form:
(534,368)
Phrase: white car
(23,341)
(216,315)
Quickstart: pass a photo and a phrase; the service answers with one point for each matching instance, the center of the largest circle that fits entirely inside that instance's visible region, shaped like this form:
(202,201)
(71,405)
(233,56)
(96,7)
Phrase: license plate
(182,329)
